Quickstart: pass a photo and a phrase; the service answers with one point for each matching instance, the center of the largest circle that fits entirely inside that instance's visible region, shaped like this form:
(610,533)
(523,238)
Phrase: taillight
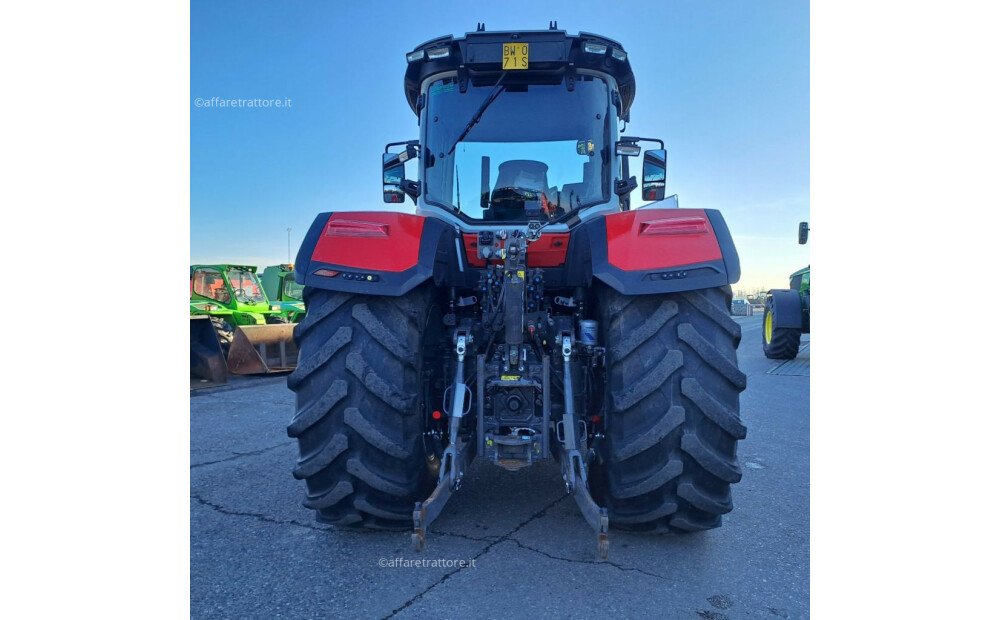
(675,226)
(352,228)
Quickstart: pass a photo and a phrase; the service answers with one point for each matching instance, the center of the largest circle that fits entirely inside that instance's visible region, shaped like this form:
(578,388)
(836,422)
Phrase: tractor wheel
(224,331)
(780,343)
(276,319)
(358,408)
(672,411)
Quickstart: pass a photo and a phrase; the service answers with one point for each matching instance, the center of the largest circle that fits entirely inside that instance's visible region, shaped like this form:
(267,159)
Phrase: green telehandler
(256,337)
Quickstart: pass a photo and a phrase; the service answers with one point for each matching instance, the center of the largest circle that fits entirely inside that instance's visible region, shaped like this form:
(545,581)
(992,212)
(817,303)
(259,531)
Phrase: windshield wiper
(497,89)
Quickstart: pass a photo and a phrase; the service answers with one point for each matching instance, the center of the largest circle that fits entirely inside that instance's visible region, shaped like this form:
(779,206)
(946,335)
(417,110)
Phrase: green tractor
(786,312)
(254,333)
(281,288)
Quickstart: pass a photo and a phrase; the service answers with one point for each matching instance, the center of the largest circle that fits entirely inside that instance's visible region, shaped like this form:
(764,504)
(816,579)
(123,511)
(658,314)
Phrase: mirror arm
(624,187)
(411,189)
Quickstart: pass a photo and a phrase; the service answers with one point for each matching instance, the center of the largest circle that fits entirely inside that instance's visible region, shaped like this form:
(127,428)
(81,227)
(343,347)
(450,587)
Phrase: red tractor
(537,317)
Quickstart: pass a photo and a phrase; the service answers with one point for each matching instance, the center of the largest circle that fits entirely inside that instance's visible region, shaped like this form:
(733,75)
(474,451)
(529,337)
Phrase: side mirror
(392,178)
(654,175)
(803,232)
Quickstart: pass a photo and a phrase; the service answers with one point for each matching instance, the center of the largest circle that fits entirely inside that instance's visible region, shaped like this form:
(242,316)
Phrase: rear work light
(595,48)
(352,228)
(675,226)
(439,52)
(415,56)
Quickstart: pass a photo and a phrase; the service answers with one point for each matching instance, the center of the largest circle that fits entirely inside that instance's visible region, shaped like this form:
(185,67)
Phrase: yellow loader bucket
(208,364)
(259,349)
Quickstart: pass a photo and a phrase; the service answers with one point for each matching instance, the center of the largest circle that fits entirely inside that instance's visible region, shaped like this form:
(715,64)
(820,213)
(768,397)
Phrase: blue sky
(724,84)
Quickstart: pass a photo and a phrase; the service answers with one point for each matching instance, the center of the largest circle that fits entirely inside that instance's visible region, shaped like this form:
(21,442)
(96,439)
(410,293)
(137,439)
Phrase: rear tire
(672,411)
(358,408)
(780,343)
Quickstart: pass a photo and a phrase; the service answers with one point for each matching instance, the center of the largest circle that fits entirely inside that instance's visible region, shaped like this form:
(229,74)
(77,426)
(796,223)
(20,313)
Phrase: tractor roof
(224,267)
(551,55)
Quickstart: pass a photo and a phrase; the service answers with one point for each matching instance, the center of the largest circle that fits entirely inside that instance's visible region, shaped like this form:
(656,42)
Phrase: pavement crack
(465,536)
(594,562)
(254,515)
(326,529)
(240,455)
(485,550)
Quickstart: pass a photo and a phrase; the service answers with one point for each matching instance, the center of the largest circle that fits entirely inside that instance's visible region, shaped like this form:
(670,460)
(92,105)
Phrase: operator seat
(517,174)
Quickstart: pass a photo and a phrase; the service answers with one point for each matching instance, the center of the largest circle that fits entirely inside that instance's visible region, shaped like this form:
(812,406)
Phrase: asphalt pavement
(509,544)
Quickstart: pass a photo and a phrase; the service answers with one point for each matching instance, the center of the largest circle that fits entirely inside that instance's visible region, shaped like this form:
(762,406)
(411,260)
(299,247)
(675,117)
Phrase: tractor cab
(519,127)
(799,281)
(281,288)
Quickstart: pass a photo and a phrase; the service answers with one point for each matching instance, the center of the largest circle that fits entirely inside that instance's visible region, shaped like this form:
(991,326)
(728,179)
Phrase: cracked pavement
(257,553)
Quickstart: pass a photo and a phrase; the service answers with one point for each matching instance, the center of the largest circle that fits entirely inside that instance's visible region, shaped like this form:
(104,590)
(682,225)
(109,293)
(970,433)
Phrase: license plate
(515,56)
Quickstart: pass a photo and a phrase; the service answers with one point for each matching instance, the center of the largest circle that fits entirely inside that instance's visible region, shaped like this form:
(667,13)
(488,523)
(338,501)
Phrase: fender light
(352,228)
(326,273)
(676,226)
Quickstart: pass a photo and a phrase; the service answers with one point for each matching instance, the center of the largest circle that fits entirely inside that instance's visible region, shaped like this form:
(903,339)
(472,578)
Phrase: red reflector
(352,228)
(326,273)
(595,419)
(675,226)
(436,415)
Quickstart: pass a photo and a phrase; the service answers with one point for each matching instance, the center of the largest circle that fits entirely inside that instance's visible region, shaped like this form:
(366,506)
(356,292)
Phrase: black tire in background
(358,420)
(672,412)
(780,343)
(224,332)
